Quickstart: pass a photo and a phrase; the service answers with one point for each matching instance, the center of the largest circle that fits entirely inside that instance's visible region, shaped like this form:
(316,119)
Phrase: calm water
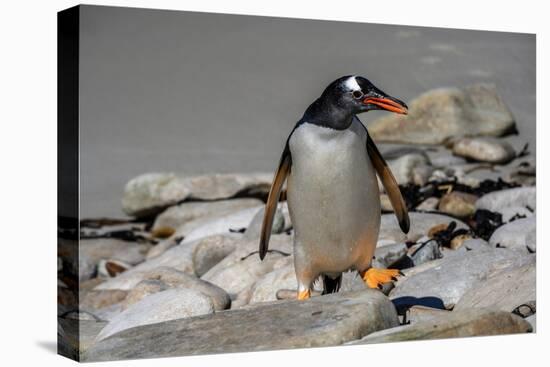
(199,93)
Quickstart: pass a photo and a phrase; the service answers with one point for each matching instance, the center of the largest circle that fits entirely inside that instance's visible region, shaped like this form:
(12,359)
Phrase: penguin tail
(331,285)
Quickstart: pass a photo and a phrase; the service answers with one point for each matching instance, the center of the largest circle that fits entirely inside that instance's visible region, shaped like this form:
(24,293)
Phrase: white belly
(333,199)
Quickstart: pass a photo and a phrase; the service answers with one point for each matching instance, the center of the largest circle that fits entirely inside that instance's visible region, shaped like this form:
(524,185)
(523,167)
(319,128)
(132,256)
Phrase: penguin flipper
(390,184)
(273,198)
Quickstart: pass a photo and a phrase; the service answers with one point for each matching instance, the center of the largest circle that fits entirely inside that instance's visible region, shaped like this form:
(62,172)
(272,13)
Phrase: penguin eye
(357,94)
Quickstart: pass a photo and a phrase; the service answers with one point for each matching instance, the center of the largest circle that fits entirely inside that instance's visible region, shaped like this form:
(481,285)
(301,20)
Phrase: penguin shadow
(403,304)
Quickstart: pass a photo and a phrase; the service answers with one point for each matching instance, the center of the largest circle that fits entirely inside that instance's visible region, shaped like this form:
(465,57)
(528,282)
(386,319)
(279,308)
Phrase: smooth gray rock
(254,228)
(177,279)
(475,244)
(456,324)
(411,168)
(217,225)
(161,247)
(265,289)
(497,201)
(426,250)
(320,321)
(179,257)
(143,289)
(440,114)
(458,204)
(416,314)
(444,159)
(515,211)
(450,278)
(430,204)
(151,193)
(472,244)
(484,150)
(171,304)
(513,235)
(178,215)
(243,267)
(95,300)
(385,256)
(421,223)
(210,252)
(504,291)
(110,248)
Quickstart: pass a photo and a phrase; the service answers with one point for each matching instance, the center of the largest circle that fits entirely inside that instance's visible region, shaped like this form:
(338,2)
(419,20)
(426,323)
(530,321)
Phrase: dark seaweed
(124,235)
(416,194)
(485,222)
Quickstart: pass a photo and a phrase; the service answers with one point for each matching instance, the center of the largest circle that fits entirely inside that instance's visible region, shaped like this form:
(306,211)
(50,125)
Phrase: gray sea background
(212,93)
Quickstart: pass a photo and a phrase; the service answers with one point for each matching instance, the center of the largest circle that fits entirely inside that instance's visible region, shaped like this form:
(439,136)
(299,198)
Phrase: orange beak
(388,104)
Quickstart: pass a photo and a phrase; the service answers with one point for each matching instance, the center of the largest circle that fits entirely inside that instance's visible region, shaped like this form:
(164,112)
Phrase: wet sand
(199,93)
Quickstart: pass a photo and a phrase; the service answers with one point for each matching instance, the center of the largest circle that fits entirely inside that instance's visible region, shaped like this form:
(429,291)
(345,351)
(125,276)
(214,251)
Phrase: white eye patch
(351,84)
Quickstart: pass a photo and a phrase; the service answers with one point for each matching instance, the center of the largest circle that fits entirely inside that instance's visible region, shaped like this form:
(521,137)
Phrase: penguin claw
(303,295)
(375,278)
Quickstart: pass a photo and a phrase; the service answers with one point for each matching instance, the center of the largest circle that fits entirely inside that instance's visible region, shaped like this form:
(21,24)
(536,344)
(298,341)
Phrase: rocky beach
(181,274)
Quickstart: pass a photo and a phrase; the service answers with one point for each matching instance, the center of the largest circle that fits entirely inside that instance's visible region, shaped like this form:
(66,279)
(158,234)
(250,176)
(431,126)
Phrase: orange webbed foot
(303,295)
(374,277)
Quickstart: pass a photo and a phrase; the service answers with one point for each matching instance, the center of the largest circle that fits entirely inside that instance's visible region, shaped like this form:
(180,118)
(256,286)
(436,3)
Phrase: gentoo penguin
(330,163)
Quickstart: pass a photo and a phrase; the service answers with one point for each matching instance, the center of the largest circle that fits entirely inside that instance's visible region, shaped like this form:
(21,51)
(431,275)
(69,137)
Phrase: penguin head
(357,94)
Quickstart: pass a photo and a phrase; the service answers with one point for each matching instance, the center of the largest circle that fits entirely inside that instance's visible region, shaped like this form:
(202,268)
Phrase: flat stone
(110,248)
(458,204)
(142,290)
(254,228)
(320,321)
(497,201)
(243,267)
(151,193)
(411,168)
(171,304)
(416,314)
(426,250)
(161,247)
(456,324)
(210,252)
(515,212)
(420,225)
(177,215)
(265,289)
(179,257)
(484,150)
(504,291)
(385,256)
(472,244)
(444,159)
(475,244)
(177,279)
(450,278)
(430,204)
(93,300)
(513,235)
(223,224)
(440,114)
